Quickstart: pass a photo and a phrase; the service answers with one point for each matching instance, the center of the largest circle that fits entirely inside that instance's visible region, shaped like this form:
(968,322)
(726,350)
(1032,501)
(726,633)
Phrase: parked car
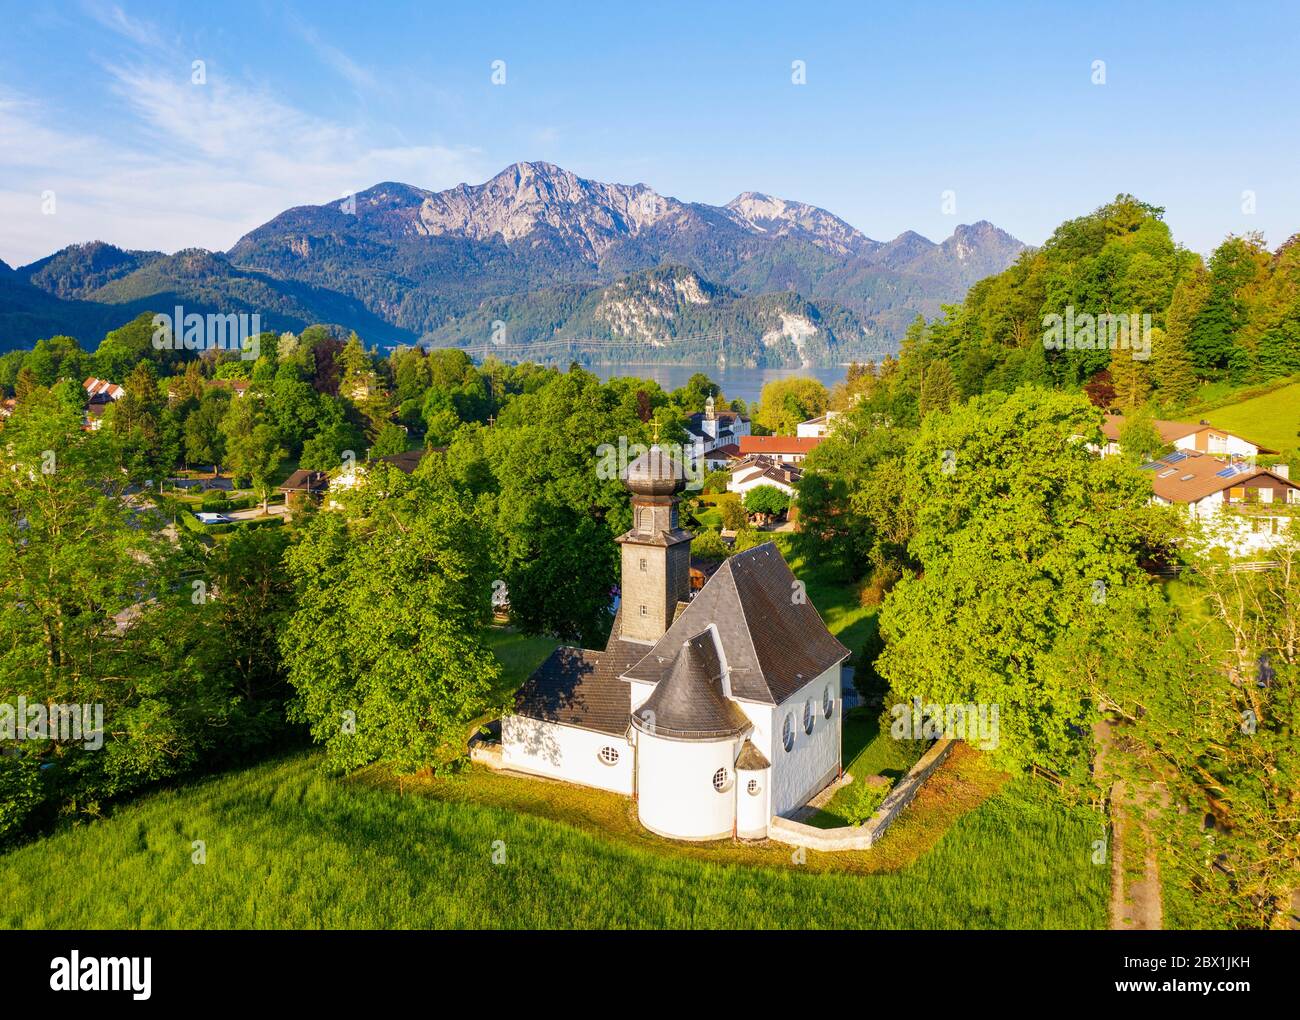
(211,518)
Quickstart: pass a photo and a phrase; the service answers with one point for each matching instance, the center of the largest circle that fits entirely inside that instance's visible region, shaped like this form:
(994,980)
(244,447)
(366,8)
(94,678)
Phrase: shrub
(733,513)
(708,545)
(195,525)
(882,579)
(766,499)
(863,798)
(716,481)
(216,503)
(870,684)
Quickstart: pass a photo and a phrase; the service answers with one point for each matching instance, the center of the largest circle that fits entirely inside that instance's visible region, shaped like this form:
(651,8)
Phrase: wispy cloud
(333,57)
(114,18)
(192,164)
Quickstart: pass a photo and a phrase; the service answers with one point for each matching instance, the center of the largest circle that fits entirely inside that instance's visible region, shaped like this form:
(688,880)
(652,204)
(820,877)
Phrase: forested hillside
(1233,317)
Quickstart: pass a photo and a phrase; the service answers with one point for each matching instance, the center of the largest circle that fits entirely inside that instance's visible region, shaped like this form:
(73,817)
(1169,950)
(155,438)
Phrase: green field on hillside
(287,847)
(1271,420)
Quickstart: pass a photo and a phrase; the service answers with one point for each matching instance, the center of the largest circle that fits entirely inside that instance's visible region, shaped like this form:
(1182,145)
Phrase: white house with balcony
(1241,508)
(755,471)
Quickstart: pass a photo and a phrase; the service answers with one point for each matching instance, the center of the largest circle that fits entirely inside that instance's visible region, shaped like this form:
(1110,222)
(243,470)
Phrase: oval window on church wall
(787,732)
(828,703)
(608,756)
(809,715)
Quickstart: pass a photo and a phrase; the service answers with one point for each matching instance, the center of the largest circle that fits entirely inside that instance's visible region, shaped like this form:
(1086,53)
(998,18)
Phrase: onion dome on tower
(655,473)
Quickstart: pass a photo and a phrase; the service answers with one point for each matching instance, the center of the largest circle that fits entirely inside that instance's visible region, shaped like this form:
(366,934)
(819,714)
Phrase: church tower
(656,552)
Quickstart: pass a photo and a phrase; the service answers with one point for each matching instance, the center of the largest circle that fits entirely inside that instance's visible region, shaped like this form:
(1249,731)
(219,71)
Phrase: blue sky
(302,104)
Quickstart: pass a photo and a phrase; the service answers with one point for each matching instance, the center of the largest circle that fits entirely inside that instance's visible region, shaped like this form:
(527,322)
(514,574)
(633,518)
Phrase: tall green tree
(92,596)
(385,648)
(1022,535)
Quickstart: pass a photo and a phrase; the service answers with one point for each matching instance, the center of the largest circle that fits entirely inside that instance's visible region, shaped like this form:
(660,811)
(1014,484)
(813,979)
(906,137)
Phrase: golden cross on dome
(654,429)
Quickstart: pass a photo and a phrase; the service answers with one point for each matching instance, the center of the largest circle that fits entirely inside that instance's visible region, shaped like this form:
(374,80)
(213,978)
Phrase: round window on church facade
(809,714)
(753,788)
(828,703)
(608,755)
(787,732)
(722,780)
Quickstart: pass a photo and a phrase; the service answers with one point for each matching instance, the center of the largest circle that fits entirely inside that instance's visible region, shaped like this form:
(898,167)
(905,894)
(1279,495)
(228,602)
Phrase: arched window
(809,716)
(787,732)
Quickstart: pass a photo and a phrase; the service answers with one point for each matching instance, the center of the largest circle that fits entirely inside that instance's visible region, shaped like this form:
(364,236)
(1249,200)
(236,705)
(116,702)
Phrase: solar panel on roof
(1227,472)
(1152,466)
(1174,458)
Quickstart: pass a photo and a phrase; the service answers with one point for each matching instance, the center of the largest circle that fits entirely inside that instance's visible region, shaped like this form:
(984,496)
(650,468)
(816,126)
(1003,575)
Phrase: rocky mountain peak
(781,217)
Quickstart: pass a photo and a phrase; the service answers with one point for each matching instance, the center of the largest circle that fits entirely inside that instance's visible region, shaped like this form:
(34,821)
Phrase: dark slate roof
(408,460)
(580,687)
(688,704)
(751,759)
(306,481)
(773,644)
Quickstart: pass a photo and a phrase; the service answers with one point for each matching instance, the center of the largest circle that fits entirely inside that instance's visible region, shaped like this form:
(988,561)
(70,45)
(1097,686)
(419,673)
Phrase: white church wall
(639,693)
(753,809)
(761,717)
(675,792)
(814,759)
(565,752)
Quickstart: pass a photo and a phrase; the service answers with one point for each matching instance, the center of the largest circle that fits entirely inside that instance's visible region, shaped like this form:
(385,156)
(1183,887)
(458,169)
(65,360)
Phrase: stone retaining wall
(863,837)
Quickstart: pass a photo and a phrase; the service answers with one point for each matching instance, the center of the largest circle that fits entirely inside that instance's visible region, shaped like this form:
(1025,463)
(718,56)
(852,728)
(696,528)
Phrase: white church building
(715,712)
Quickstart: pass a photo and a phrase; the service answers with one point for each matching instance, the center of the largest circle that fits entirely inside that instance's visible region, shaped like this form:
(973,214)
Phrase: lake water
(740,382)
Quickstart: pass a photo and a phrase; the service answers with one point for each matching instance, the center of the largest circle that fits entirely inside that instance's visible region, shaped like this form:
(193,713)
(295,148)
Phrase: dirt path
(1135,902)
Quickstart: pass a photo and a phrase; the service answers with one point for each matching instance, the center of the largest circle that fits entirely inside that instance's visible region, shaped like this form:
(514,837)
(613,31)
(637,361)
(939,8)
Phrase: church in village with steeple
(713,712)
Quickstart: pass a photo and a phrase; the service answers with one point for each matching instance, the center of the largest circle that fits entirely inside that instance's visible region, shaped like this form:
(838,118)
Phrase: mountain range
(536,255)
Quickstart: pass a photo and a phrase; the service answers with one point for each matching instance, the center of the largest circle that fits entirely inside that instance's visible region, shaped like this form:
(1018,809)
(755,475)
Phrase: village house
(787,449)
(306,483)
(1245,509)
(816,427)
(714,712)
(755,471)
(350,477)
(236,386)
(1201,437)
(714,435)
(100,393)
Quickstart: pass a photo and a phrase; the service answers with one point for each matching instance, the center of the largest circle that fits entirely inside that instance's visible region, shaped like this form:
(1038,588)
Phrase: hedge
(194,524)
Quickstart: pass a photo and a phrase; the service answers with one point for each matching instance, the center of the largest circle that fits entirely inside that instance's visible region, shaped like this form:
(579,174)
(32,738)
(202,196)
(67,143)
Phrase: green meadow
(288,847)
(1271,419)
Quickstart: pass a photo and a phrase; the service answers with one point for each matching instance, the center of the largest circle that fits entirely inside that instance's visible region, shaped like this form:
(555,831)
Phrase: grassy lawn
(1271,420)
(518,654)
(289,847)
(709,517)
(836,601)
(867,752)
